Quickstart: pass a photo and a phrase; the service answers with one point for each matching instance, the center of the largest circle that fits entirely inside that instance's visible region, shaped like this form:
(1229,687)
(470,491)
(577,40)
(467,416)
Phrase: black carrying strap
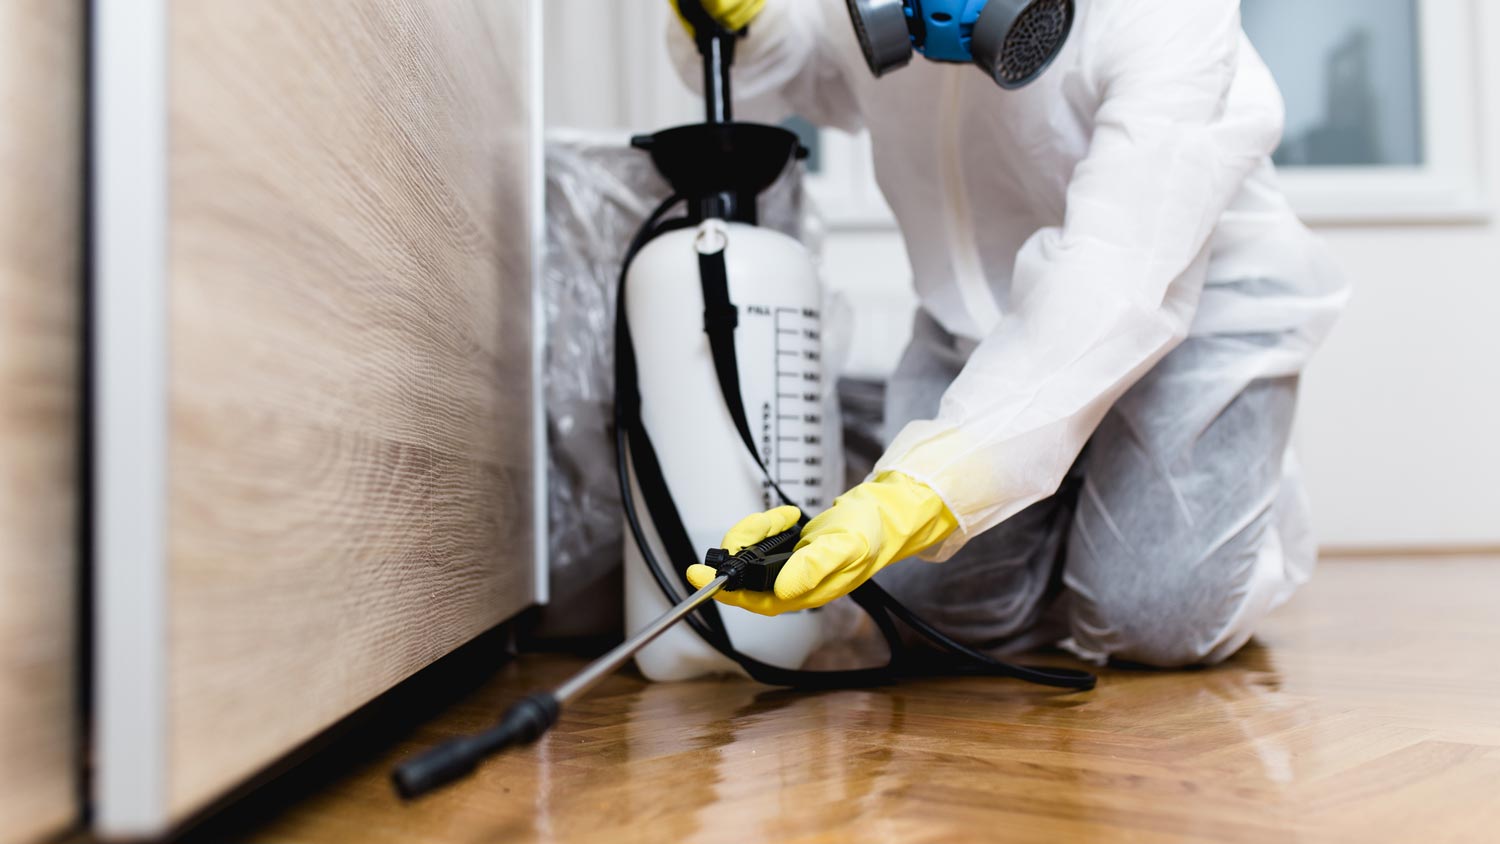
(631,431)
(720,321)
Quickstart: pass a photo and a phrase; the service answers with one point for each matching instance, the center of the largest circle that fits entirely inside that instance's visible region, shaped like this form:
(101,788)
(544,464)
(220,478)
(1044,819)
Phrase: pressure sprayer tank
(784,387)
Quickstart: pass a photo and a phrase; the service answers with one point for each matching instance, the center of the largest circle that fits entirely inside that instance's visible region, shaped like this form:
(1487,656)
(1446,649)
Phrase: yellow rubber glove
(867,528)
(733,15)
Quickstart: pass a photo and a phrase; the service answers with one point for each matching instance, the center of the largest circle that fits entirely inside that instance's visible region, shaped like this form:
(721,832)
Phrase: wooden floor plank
(1334,726)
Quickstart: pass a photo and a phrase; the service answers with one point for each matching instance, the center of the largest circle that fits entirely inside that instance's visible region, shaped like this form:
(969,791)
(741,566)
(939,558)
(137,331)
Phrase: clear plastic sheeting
(599,191)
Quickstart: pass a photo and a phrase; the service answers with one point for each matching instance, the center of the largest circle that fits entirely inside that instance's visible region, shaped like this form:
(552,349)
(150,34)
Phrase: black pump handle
(716,46)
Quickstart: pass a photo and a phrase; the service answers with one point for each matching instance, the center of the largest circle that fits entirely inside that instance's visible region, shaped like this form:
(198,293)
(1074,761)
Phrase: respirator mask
(1013,41)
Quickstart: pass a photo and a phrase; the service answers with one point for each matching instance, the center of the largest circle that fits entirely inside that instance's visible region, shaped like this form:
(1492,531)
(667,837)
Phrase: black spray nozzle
(524,722)
(756,567)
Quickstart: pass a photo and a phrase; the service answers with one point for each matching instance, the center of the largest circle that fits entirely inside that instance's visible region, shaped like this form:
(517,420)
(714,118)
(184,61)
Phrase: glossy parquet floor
(1369,710)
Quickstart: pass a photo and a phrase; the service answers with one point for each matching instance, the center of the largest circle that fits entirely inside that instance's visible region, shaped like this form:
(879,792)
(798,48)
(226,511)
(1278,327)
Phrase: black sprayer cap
(721,167)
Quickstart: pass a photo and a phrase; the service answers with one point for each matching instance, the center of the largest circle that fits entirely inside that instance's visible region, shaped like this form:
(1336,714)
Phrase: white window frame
(1447,186)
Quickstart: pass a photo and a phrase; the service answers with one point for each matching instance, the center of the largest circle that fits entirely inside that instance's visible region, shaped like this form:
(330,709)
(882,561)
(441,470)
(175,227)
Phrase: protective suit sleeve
(786,65)
(1097,301)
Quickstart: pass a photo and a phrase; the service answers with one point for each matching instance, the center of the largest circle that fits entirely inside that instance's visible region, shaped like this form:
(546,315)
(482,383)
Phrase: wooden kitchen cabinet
(316,350)
(41,252)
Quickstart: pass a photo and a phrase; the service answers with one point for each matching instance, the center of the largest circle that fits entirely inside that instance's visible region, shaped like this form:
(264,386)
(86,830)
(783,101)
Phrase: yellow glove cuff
(925,519)
(733,15)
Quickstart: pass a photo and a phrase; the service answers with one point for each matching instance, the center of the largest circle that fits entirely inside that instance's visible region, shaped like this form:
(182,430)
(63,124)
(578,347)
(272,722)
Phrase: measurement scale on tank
(782,382)
(792,424)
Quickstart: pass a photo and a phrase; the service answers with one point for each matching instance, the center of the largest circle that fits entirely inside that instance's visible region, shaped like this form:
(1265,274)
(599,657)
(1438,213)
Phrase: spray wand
(754,568)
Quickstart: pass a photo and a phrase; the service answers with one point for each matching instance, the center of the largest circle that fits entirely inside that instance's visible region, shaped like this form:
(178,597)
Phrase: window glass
(1350,73)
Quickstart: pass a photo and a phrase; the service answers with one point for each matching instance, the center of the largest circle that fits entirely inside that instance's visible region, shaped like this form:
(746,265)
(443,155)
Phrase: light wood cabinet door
(316,356)
(41,202)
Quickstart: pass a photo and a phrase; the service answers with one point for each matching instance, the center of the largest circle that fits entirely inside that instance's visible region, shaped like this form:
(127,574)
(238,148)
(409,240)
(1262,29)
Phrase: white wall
(606,68)
(1400,420)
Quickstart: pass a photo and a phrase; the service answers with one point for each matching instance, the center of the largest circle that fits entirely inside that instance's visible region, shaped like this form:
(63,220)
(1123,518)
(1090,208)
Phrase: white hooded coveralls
(1065,238)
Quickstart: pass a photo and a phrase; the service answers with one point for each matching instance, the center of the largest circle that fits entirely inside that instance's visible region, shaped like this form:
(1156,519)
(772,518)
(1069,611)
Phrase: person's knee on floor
(1174,552)
(1199,607)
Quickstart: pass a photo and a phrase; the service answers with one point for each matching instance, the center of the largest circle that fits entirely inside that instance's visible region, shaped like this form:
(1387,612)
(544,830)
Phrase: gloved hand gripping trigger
(756,567)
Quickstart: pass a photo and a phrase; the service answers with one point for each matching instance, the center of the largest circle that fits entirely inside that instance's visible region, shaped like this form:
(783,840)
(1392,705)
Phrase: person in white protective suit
(1091,424)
